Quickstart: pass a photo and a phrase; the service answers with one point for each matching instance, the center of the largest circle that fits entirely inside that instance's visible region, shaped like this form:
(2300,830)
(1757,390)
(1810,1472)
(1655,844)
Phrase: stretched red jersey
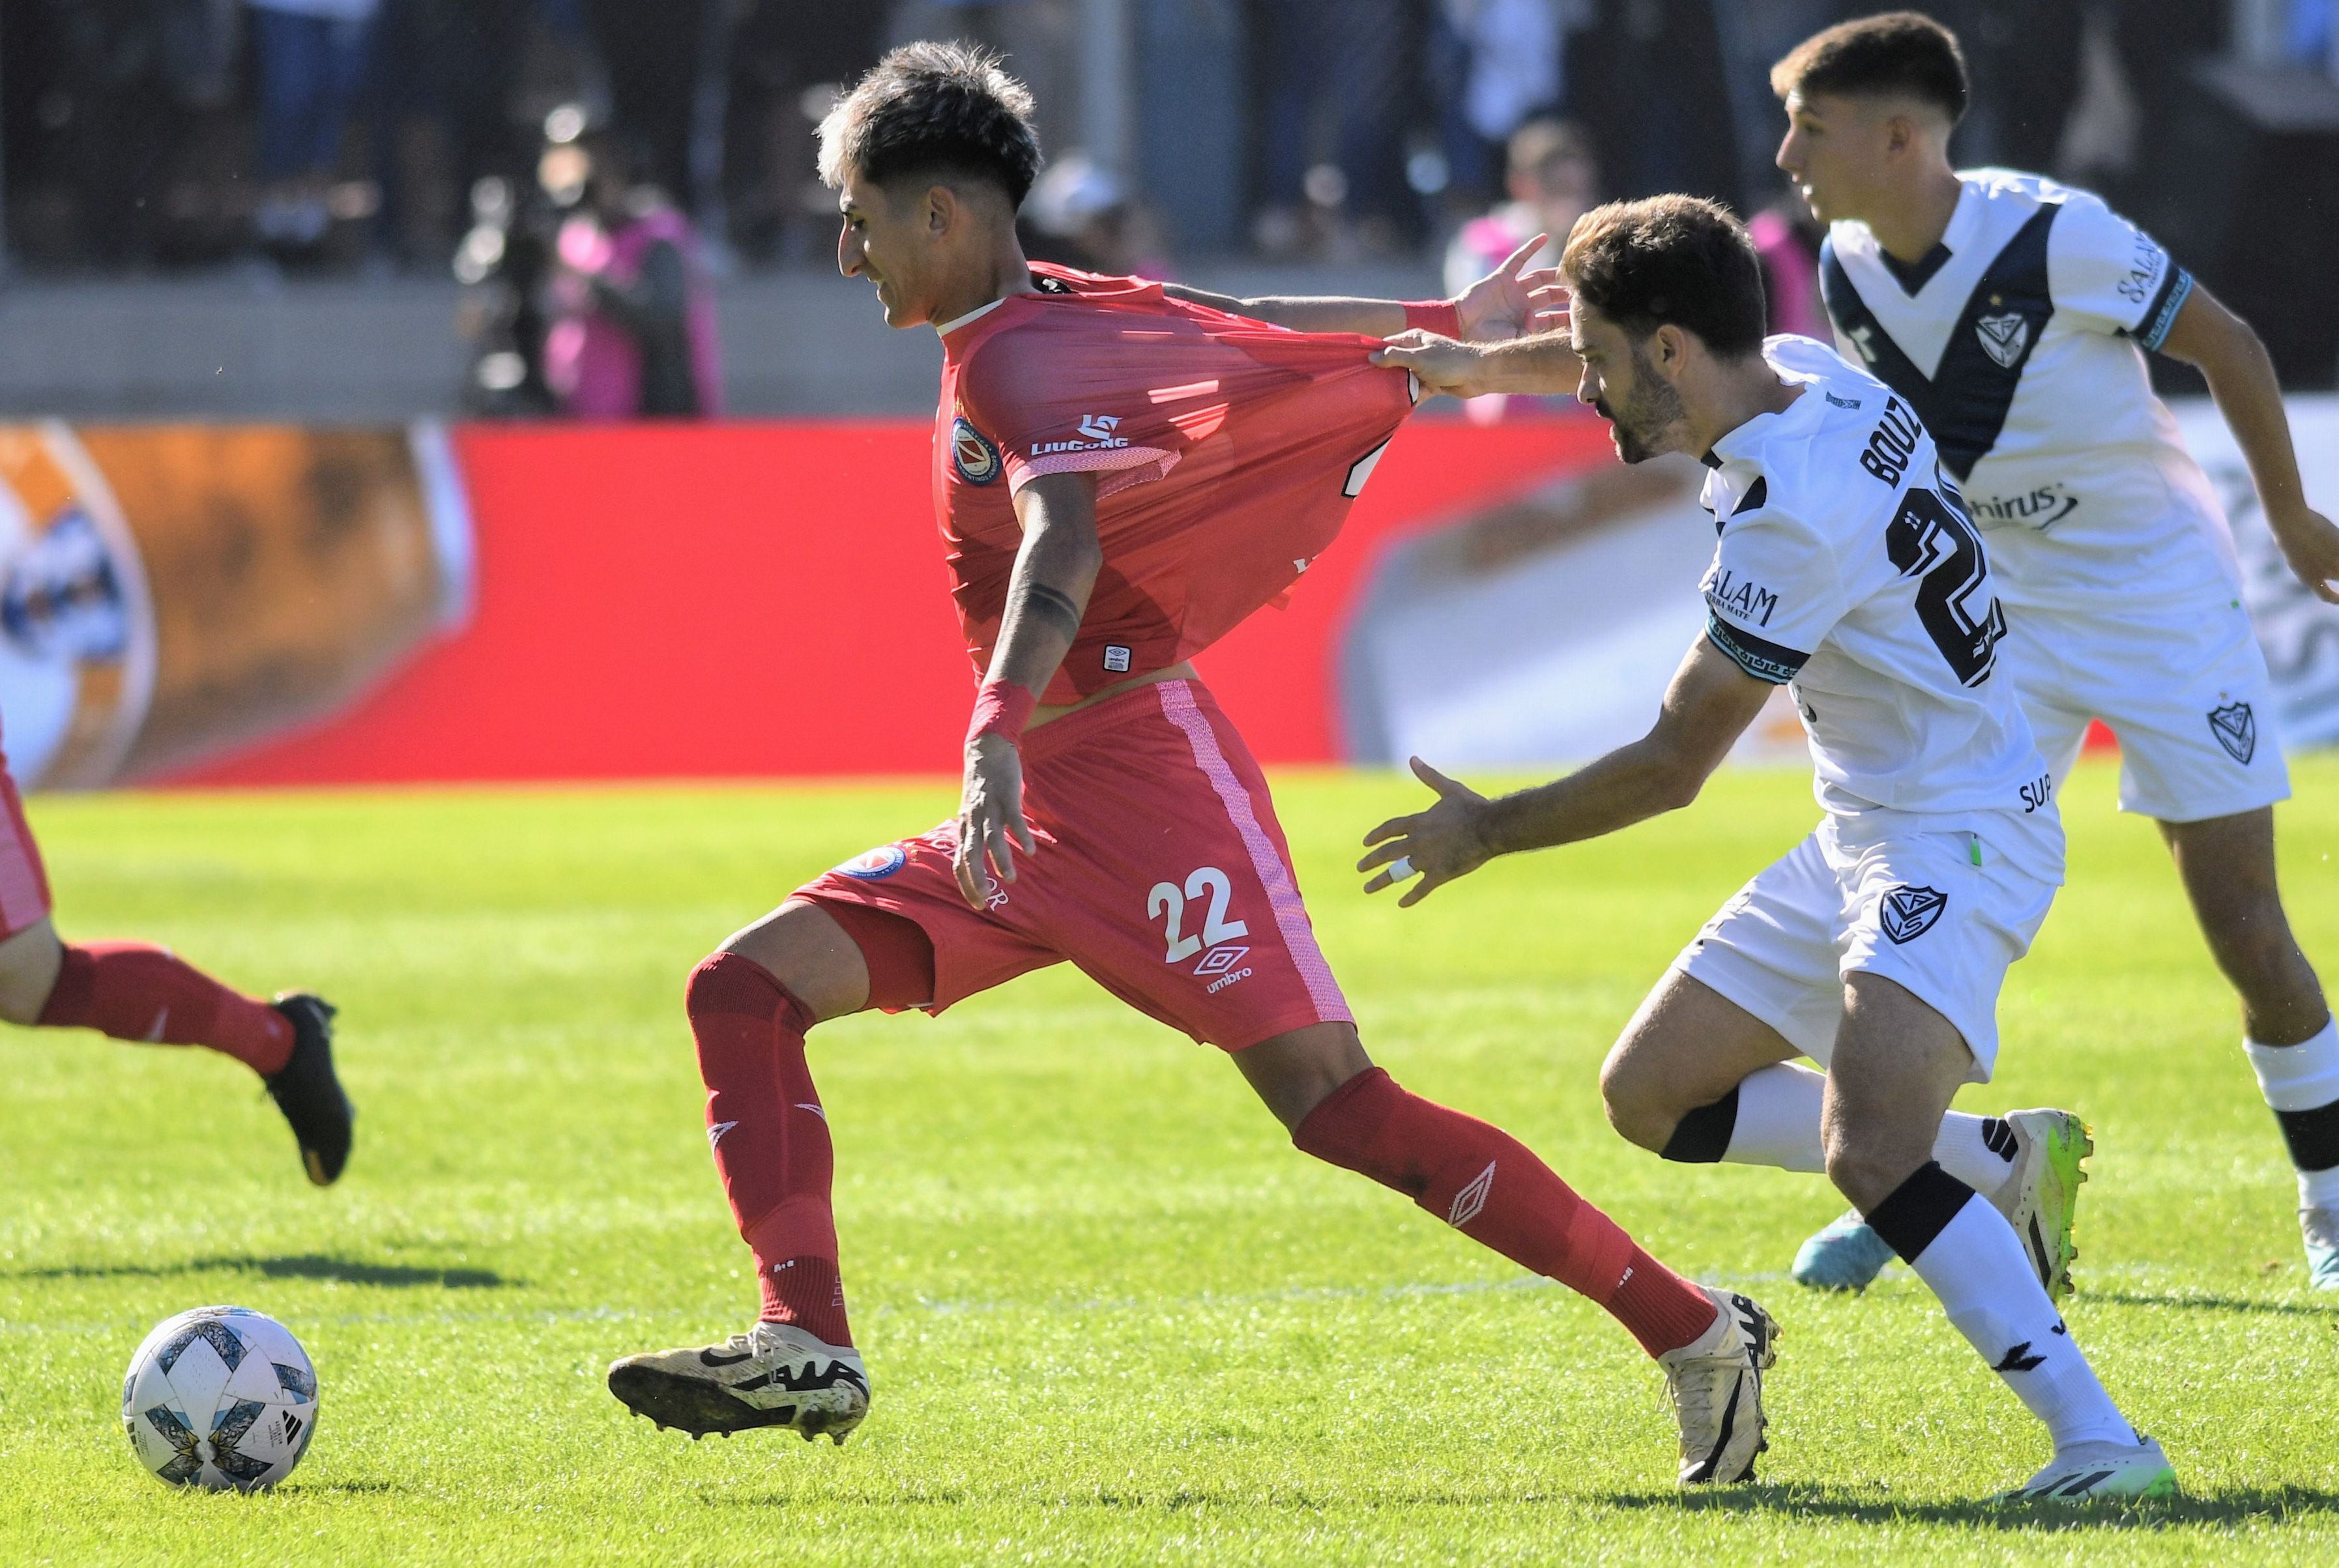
(1227,454)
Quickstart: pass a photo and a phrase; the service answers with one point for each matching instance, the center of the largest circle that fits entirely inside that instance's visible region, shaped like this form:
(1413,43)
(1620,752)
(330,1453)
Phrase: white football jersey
(2020,342)
(1847,569)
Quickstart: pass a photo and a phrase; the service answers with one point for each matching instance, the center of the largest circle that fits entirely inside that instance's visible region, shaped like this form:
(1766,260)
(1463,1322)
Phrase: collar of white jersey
(1743,443)
(1964,220)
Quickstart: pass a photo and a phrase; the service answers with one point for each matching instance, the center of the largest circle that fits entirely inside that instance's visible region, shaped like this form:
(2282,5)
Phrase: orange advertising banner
(170,594)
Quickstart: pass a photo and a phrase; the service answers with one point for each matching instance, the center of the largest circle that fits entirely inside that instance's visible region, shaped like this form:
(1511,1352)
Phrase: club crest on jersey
(972,454)
(1908,912)
(877,864)
(2236,729)
(2003,337)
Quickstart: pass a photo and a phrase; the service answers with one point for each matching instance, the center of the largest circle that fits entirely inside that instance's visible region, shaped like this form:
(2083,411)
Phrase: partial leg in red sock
(770,1138)
(1491,1187)
(134,991)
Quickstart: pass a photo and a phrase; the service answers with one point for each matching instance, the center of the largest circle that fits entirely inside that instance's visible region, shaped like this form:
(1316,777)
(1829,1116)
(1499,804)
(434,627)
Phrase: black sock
(1702,1137)
(2313,1136)
(1919,1209)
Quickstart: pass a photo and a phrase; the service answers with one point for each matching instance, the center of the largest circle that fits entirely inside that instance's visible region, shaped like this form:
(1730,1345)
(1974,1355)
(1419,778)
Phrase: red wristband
(1443,316)
(1000,709)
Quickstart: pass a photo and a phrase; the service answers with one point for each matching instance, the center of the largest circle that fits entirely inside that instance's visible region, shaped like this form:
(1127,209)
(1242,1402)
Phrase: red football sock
(132,991)
(770,1138)
(1490,1187)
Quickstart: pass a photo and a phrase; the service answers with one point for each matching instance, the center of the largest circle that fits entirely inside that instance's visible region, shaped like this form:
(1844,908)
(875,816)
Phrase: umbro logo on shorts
(1908,912)
(2236,729)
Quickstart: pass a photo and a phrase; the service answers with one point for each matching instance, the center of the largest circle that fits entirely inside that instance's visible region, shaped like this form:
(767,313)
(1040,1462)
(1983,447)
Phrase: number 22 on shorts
(1216,927)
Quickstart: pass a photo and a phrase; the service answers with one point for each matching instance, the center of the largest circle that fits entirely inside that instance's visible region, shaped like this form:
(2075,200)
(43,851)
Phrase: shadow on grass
(301,1265)
(2278,1504)
(2213,1303)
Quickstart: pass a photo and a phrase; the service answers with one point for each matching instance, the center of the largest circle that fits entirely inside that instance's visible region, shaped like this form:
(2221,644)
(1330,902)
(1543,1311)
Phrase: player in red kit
(136,992)
(1123,472)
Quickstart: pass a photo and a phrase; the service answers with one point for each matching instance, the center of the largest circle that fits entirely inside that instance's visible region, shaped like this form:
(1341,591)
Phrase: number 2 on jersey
(1932,538)
(1216,927)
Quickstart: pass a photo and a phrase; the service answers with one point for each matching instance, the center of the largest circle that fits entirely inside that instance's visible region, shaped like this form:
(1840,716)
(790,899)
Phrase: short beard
(1649,415)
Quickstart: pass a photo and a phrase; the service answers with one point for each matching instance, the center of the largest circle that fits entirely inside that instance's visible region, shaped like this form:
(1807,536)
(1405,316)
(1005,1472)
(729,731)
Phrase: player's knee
(1866,1165)
(1638,1105)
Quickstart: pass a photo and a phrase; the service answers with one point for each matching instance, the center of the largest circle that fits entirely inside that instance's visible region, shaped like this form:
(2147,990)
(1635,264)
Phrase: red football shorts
(24,881)
(1161,873)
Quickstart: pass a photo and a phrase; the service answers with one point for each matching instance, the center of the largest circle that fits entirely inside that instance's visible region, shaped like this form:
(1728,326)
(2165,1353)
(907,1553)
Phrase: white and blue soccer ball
(221,1398)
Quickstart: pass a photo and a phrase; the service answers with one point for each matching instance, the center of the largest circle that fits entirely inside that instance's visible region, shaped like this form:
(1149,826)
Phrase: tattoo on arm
(1051,605)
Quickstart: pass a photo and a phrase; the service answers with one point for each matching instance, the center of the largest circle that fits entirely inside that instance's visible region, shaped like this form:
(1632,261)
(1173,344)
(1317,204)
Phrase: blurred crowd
(388,136)
(343,133)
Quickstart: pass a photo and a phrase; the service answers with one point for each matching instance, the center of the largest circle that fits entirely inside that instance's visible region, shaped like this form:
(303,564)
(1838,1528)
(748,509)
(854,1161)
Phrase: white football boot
(2040,1197)
(1716,1384)
(2085,1472)
(774,1375)
(2320,1226)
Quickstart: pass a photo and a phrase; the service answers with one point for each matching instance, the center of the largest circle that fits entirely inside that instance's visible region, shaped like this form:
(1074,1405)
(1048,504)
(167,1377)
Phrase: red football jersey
(1227,454)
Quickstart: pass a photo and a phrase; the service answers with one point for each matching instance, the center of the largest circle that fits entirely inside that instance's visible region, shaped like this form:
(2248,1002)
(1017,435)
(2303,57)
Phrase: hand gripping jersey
(1227,454)
(2018,343)
(1847,568)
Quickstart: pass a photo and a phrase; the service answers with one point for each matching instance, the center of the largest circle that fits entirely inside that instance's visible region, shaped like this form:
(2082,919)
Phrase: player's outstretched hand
(1547,302)
(1443,364)
(2310,544)
(1440,843)
(991,826)
(1499,305)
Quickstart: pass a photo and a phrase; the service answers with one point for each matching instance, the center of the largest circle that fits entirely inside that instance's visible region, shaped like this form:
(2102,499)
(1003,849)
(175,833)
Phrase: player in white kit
(1847,569)
(2014,314)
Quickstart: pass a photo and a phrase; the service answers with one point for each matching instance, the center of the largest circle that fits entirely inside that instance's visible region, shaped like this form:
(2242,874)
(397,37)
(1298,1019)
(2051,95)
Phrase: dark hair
(934,110)
(1678,259)
(1899,52)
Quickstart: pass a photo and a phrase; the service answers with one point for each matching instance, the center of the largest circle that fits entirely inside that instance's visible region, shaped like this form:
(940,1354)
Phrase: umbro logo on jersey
(2236,729)
(972,454)
(1908,912)
(2004,338)
(1472,1197)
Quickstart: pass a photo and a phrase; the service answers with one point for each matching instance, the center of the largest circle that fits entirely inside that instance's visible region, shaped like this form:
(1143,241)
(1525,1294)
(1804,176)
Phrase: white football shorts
(1941,912)
(2185,690)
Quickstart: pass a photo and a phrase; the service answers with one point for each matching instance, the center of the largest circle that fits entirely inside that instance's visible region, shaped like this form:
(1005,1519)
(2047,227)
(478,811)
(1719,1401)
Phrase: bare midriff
(1045,713)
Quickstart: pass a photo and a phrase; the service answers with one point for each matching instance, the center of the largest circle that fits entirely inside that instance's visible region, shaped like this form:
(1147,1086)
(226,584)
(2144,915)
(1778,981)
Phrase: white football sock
(1779,1124)
(1978,1150)
(1778,1118)
(2303,1077)
(2299,1077)
(1977,1267)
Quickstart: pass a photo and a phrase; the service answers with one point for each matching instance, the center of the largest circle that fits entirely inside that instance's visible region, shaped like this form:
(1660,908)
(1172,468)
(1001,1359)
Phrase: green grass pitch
(1110,1315)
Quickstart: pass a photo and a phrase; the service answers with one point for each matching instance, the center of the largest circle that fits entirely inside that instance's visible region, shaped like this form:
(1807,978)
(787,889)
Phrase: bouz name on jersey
(1892,443)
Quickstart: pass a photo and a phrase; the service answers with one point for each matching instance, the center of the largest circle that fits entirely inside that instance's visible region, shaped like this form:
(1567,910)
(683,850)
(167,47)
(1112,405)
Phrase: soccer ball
(220,1397)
